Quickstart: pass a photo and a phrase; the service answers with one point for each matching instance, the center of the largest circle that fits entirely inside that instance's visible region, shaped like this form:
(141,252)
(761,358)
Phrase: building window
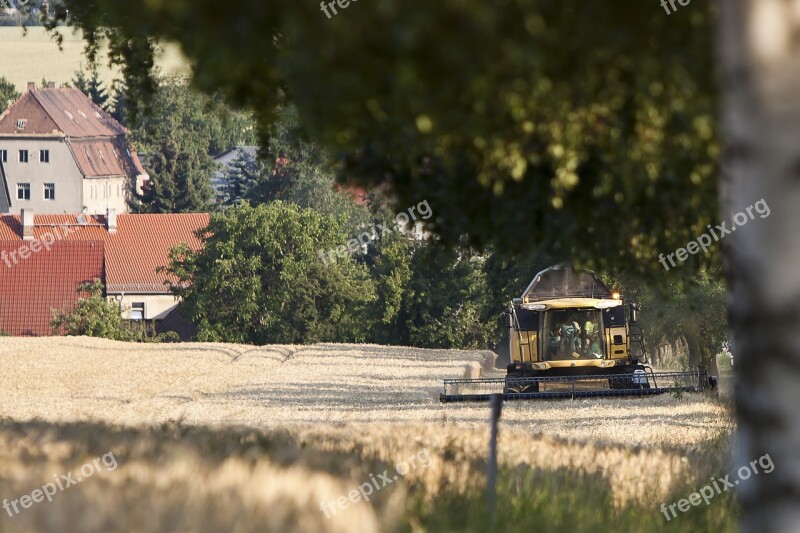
(49,191)
(21,123)
(44,156)
(4,156)
(23,191)
(137,311)
(23,156)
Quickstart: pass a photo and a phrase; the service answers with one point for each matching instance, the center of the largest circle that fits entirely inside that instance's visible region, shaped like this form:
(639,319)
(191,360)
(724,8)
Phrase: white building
(61,153)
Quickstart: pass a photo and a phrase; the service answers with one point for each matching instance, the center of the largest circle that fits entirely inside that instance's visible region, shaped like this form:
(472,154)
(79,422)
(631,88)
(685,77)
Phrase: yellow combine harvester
(570,336)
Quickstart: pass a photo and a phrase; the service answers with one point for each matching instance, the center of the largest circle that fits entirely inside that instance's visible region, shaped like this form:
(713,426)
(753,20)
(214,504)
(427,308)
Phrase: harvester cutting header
(570,336)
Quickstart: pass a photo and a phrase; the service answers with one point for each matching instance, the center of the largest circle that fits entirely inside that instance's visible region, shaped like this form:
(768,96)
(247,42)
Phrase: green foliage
(693,309)
(92,87)
(242,176)
(564,501)
(177,129)
(95,316)
(678,391)
(180,178)
(119,105)
(299,171)
(389,260)
(205,121)
(446,298)
(259,279)
(7,92)
(584,130)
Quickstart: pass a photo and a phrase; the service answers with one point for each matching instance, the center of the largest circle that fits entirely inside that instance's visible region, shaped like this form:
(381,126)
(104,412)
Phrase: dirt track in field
(74,379)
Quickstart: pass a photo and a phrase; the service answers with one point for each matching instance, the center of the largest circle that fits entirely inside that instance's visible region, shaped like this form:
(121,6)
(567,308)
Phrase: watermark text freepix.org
(704,240)
(666,4)
(45,242)
(718,486)
(62,483)
(332,5)
(421,459)
(356,244)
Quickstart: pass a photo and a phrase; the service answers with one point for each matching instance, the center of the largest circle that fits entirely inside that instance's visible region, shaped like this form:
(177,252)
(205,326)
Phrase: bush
(95,316)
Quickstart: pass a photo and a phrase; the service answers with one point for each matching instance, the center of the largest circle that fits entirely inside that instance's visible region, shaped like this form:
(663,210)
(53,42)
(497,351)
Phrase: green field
(35,56)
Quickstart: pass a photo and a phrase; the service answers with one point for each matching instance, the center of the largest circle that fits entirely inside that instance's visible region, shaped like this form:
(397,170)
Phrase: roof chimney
(31,85)
(111,220)
(51,85)
(27,224)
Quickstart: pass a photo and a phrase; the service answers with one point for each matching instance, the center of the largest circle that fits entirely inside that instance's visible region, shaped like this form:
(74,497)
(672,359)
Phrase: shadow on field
(177,478)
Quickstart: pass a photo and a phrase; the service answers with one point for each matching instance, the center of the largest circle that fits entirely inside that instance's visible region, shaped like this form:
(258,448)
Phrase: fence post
(496,403)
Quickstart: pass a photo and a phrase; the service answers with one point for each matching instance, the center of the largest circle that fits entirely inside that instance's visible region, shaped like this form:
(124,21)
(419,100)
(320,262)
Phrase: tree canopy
(8,92)
(177,131)
(584,129)
(258,279)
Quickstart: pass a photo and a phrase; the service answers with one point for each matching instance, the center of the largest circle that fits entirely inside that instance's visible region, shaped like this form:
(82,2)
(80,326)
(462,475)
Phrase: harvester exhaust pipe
(509,324)
(515,324)
(634,312)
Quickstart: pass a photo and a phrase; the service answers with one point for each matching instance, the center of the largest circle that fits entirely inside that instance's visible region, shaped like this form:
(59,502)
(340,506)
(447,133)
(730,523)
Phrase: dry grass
(314,422)
(34,56)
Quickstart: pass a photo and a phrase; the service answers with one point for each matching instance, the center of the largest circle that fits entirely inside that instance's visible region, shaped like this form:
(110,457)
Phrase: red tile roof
(132,254)
(31,288)
(66,110)
(105,158)
(142,244)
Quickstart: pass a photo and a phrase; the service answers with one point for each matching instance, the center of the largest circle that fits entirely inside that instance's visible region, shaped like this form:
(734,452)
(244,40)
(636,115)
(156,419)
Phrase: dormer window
(21,123)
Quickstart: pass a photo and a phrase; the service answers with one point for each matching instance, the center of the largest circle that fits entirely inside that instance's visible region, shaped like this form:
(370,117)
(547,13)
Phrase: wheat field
(218,437)
(32,55)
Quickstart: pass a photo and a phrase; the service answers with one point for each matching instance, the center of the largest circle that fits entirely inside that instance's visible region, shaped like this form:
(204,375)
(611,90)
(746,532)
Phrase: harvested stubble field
(216,437)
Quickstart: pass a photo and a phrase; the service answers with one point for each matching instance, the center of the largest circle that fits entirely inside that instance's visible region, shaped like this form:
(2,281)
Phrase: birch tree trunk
(759,59)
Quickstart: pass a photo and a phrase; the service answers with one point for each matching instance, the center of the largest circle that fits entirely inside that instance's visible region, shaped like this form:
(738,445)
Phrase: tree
(446,299)
(92,87)
(692,311)
(389,261)
(95,316)
(180,109)
(241,177)
(294,169)
(758,74)
(119,103)
(258,279)
(177,130)
(8,92)
(180,179)
(502,119)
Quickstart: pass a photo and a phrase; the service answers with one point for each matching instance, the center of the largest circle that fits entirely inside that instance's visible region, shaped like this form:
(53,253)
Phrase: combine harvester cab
(569,336)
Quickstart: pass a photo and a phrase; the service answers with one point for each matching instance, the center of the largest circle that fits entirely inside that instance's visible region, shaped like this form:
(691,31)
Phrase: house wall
(156,306)
(61,170)
(101,194)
